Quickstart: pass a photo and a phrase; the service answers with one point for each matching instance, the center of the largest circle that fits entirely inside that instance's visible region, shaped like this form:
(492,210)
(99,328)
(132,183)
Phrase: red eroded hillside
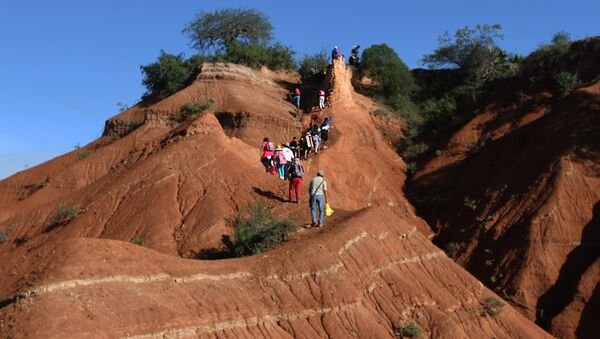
(514,196)
(177,185)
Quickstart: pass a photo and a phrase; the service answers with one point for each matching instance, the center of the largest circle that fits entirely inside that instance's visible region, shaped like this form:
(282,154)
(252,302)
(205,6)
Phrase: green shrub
(122,106)
(470,203)
(390,74)
(492,306)
(169,74)
(452,249)
(276,57)
(136,240)
(412,150)
(64,214)
(409,330)
(131,125)
(543,63)
(82,154)
(191,110)
(63,211)
(260,231)
(411,167)
(565,83)
(313,68)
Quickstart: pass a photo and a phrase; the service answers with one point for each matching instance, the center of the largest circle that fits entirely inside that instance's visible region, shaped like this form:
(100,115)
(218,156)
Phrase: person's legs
(313,209)
(297,98)
(265,163)
(321,102)
(291,189)
(281,171)
(297,184)
(321,204)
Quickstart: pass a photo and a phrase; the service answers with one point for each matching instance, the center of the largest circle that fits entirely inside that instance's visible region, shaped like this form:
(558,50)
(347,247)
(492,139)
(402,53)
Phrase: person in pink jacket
(266,154)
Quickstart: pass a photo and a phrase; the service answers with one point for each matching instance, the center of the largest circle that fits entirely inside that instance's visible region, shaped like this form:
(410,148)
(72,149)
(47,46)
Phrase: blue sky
(64,64)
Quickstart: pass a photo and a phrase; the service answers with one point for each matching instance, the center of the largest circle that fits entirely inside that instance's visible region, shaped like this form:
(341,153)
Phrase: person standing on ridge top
(317,198)
(335,53)
(354,58)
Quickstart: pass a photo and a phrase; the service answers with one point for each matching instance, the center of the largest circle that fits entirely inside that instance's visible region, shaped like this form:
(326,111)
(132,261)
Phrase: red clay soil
(177,186)
(515,195)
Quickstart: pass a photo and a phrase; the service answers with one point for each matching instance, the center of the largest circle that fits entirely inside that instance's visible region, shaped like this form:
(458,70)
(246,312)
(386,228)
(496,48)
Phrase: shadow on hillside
(268,194)
(588,323)
(217,253)
(580,259)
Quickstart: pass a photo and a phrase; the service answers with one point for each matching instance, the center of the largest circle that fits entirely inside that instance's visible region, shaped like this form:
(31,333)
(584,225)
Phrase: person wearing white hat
(335,53)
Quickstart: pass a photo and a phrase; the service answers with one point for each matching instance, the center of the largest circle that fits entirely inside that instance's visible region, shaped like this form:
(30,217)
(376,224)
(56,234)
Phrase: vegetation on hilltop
(463,71)
(241,36)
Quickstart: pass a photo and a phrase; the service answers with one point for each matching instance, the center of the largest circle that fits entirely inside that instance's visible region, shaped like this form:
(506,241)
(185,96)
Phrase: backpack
(308,140)
(297,171)
(269,146)
(280,158)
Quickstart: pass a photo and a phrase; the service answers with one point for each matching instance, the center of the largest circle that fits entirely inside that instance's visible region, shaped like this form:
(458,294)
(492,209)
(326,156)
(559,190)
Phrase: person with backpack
(321,99)
(354,58)
(294,147)
(325,131)
(266,154)
(289,156)
(316,139)
(317,198)
(297,95)
(295,173)
(308,143)
(280,161)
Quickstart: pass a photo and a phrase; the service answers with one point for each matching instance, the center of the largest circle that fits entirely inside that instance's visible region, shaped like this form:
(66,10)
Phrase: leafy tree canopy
(456,51)
(474,52)
(389,72)
(314,67)
(168,74)
(216,30)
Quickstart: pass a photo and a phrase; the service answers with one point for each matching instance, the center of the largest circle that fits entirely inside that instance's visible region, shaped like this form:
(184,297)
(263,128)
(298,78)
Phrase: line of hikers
(275,158)
(284,160)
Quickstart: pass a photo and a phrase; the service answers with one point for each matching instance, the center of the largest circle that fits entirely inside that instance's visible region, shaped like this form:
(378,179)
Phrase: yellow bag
(328,210)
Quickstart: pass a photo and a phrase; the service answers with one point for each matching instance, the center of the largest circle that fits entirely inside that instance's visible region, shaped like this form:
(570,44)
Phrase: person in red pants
(296,172)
